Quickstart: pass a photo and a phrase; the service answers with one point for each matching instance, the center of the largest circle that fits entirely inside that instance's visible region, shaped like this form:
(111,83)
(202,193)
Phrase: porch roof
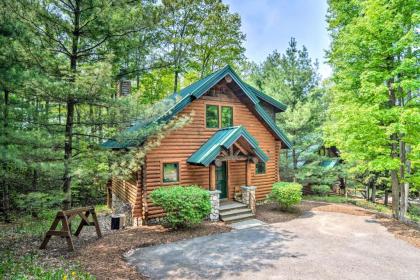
(223,139)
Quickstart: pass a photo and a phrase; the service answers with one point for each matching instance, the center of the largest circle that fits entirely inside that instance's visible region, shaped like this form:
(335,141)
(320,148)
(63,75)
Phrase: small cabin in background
(231,147)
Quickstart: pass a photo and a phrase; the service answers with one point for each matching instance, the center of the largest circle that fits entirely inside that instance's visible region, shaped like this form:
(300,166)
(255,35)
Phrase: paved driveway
(319,245)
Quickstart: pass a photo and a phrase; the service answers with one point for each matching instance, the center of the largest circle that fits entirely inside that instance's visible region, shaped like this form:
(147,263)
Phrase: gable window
(212,116)
(170,172)
(260,168)
(227,116)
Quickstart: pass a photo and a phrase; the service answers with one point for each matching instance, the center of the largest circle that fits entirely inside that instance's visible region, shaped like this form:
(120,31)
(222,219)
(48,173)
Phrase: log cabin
(231,147)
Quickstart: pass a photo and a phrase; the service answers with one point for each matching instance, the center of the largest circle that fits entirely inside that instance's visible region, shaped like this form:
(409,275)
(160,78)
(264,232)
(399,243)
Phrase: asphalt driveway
(319,245)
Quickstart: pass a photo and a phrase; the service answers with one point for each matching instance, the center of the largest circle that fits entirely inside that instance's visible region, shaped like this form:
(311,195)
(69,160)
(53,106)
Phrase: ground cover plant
(29,266)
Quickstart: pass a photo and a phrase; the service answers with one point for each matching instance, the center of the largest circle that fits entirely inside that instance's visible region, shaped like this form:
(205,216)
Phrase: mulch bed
(271,213)
(103,257)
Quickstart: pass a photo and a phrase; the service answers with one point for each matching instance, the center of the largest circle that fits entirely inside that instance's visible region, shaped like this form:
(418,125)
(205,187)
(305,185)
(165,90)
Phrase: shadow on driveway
(216,256)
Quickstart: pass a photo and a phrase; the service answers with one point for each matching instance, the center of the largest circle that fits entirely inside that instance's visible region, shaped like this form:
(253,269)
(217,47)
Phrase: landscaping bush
(322,190)
(414,213)
(286,194)
(184,206)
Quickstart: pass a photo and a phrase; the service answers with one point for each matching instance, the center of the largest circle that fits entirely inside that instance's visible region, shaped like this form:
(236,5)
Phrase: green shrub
(414,213)
(286,194)
(322,190)
(184,206)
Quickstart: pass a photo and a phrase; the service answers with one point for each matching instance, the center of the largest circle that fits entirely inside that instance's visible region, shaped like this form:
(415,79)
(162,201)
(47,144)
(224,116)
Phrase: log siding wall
(180,144)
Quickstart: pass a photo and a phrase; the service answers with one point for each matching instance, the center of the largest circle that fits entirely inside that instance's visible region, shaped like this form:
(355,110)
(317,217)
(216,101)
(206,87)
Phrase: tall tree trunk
(395,185)
(68,148)
(176,77)
(35,176)
(5,183)
(294,159)
(68,142)
(373,195)
(403,185)
(368,192)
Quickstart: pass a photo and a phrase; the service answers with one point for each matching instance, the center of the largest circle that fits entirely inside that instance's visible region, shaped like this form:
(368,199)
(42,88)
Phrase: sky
(269,25)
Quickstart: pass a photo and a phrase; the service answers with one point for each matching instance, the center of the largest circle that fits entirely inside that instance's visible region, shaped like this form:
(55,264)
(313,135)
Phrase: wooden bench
(65,216)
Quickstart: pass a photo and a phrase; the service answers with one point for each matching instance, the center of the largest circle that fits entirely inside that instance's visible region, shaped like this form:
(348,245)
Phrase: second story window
(219,116)
(227,116)
(212,116)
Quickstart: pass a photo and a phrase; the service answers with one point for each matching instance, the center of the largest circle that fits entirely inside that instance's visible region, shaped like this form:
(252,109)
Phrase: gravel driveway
(319,245)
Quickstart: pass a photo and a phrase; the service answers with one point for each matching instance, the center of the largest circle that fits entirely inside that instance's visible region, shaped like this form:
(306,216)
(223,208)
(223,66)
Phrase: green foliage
(34,202)
(28,266)
(54,68)
(373,116)
(25,225)
(414,213)
(286,194)
(330,198)
(293,78)
(184,206)
(321,189)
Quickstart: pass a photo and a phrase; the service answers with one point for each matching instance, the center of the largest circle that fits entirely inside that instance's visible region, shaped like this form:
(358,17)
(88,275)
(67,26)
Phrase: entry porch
(230,155)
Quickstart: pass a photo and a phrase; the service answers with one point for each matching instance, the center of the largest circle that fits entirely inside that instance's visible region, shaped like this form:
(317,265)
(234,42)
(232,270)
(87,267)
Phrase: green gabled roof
(223,139)
(329,163)
(198,89)
(270,100)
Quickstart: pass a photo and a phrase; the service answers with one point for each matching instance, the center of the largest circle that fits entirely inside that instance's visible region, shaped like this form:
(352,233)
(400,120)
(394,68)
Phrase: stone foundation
(248,197)
(215,205)
(121,207)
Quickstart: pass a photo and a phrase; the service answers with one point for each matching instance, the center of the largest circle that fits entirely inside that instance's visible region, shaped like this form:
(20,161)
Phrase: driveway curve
(318,245)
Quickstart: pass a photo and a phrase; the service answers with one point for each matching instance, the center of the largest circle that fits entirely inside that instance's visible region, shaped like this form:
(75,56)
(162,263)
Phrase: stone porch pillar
(215,205)
(248,197)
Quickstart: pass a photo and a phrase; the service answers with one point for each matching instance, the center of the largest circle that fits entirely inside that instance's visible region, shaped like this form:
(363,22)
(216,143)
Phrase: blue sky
(269,24)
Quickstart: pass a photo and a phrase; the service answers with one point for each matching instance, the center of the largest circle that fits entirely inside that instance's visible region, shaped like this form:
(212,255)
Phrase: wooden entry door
(221,179)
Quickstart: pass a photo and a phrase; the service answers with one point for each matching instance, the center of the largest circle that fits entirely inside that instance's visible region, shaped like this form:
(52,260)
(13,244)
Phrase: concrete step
(237,218)
(231,205)
(248,223)
(235,211)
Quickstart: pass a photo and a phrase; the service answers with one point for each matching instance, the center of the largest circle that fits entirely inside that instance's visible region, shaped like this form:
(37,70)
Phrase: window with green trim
(260,168)
(227,116)
(170,172)
(212,116)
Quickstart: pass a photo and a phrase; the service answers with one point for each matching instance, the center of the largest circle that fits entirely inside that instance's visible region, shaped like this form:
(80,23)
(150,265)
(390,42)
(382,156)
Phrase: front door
(221,179)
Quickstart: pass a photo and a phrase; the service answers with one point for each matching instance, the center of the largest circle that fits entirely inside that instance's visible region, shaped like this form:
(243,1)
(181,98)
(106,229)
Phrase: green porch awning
(223,139)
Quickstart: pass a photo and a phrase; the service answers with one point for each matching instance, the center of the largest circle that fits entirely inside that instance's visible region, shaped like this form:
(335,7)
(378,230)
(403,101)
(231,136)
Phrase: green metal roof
(223,139)
(262,96)
(329,163)
(198,89)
